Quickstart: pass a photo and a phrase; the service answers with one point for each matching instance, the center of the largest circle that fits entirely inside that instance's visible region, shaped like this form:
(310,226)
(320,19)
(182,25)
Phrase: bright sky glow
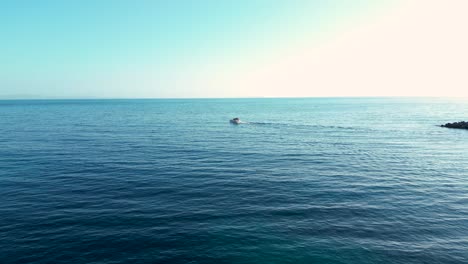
(244,48)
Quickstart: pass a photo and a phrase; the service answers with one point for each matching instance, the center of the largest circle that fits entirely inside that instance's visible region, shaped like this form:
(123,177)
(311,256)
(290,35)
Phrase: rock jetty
(461,125)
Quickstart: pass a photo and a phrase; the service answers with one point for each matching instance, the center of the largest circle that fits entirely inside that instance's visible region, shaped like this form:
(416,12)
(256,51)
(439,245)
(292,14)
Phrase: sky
(242,48)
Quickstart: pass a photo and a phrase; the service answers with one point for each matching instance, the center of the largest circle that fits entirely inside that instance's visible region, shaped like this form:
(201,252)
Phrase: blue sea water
(325,180)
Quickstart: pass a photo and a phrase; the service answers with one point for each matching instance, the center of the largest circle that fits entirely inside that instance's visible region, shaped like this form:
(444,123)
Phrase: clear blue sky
(150,48)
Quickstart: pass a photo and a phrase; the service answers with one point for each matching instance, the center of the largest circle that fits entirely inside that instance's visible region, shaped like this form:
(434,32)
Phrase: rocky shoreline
(461,125)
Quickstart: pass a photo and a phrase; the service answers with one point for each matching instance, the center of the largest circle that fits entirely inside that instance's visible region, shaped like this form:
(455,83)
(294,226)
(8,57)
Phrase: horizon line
(214,98)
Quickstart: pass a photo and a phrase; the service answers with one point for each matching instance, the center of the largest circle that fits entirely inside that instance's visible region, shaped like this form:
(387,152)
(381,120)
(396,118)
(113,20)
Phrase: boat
(235,121)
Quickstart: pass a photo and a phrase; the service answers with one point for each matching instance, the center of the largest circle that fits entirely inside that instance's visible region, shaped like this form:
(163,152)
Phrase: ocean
(313,180)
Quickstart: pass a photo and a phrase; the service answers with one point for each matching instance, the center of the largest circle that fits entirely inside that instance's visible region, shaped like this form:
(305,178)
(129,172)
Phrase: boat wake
(311,126)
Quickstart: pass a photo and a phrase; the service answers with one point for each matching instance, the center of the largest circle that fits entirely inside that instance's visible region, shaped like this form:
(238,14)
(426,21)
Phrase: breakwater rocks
(461,125)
